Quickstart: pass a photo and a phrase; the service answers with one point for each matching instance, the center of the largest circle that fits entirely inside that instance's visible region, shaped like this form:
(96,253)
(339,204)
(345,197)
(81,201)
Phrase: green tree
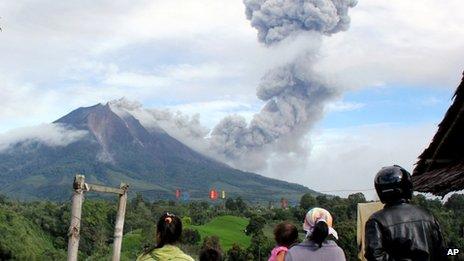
(255,225)
(230,204)
(186,221)
(241,205)
(347,238)
(282,214)
(212,242)
(307,201)
(135,202)
(353,201)
(260,246)
(236,253)
(420,200)
(191,236)
(298,213)
(455,203)
(356,198)
(324,201)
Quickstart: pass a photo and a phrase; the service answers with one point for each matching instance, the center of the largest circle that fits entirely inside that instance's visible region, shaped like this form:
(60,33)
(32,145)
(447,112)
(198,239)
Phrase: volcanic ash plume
(278,19)
(184,128)
(294,94)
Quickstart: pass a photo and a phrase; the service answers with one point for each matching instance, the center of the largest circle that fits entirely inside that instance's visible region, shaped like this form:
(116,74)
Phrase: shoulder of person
(377,215)
(145,257)
(334,248)
(338,248)
(419,212)
(331,243)
(295,247)
(183,257)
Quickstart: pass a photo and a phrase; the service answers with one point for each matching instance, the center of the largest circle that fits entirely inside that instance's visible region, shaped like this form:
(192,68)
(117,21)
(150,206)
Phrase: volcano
(118,148)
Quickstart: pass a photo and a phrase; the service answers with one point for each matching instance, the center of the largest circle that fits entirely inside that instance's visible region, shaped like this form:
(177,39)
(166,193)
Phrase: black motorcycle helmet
(393,184)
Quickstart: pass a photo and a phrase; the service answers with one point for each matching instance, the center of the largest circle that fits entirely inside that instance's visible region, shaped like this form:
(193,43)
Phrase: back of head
(168,230)
(393,184)
(318,225)
(285,234)
(320,233)
(210,254)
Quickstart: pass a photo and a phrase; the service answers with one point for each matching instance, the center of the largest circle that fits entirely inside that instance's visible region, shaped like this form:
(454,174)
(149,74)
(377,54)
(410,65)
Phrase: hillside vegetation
(38,230)
(117,149)
(22,239)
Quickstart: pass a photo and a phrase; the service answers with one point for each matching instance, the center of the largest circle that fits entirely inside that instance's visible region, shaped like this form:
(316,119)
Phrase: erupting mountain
(118,148)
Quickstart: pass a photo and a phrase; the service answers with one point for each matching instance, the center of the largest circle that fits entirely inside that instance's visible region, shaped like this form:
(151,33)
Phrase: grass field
(229,229)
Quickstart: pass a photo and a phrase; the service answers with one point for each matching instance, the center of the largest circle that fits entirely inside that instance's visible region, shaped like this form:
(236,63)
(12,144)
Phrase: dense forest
(38,230)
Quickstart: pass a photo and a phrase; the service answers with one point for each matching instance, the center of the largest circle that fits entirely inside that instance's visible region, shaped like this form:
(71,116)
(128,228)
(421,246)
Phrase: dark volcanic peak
(120,149)
(79,117)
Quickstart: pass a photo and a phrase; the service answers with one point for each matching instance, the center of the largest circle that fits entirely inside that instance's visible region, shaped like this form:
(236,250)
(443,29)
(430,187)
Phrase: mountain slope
(118,148)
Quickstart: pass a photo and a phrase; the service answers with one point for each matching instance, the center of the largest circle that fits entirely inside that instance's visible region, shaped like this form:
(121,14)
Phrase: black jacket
(403,232)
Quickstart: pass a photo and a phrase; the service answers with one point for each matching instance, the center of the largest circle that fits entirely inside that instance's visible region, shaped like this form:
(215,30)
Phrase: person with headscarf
(319,244)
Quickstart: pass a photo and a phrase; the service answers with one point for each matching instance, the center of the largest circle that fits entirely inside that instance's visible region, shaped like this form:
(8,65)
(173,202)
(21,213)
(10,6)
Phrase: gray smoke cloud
(278,19)
(294,93)
(184,128)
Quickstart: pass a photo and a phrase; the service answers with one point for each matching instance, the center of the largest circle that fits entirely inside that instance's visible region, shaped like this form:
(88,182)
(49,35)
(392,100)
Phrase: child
(285,234)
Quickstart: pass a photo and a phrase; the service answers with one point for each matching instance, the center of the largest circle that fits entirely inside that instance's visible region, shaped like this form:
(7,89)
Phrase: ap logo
(453,252)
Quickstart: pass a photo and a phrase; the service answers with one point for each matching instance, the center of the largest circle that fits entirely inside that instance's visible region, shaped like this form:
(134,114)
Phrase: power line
(322,191)
(344,190)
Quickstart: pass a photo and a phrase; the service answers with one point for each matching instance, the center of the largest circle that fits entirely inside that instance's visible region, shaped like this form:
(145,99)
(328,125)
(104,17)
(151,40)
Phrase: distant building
(440,168)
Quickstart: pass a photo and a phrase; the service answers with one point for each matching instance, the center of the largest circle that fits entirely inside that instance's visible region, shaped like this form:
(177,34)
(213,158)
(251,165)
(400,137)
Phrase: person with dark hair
(210,254)
(318,245)
(168,233)
(285,235)
(401,231)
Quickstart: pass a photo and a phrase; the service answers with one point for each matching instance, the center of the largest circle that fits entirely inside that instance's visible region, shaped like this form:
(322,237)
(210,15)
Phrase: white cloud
(341,106)
(135,80)
(203,57)
(49,134)
(398,42)
(76,54)
(349,158)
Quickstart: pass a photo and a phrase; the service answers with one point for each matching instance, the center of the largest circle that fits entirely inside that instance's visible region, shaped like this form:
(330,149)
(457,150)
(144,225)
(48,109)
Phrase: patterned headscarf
(315,215)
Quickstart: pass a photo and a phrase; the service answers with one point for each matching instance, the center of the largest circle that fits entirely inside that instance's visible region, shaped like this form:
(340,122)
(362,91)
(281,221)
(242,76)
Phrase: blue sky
(400,105)
(396,69)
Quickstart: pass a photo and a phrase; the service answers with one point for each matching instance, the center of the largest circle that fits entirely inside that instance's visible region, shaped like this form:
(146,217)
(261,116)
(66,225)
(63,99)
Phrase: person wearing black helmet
(401,231)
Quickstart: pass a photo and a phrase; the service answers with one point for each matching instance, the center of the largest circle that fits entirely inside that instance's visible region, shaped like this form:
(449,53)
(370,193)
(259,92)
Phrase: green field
(229,229)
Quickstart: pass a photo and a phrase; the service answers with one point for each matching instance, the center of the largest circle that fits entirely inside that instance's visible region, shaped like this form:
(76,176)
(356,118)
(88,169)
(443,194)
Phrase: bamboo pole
(76,211)
(119,224)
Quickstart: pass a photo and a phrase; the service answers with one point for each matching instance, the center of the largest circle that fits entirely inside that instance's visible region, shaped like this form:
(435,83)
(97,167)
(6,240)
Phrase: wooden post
(80,187)
(119,224)
(76,211)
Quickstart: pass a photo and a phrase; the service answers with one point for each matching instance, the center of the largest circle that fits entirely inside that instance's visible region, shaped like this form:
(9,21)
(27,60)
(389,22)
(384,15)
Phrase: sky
(398,65)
